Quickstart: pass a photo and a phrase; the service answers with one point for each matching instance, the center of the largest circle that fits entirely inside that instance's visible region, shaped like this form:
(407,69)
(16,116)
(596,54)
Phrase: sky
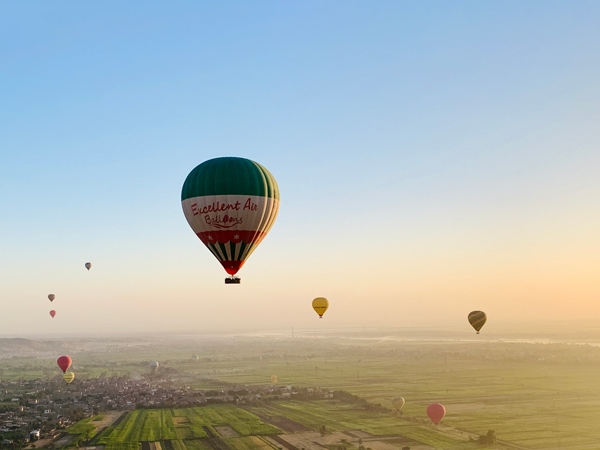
(433,158)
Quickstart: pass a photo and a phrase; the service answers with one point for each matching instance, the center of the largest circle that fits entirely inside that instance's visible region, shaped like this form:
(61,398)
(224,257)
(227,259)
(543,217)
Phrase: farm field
(532,395)
(241,429)
(183,426)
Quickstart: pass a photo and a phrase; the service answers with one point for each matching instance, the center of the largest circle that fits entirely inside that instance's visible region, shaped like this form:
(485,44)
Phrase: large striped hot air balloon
(231,204)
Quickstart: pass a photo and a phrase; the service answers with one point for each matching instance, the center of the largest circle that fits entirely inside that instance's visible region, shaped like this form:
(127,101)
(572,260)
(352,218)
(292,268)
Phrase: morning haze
(432,159)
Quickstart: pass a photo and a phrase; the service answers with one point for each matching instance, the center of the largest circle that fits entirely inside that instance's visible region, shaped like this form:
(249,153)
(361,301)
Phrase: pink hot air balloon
(64,362)
(436,412)
(52,313)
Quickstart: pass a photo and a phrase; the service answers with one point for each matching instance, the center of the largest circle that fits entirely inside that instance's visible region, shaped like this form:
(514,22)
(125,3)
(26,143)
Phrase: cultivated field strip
(181,429)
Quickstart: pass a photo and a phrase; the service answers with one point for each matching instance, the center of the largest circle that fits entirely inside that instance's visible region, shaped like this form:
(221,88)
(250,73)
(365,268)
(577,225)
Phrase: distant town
(45,408)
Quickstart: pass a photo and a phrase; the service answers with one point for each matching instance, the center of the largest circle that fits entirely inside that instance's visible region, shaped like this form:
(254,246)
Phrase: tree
(488,439)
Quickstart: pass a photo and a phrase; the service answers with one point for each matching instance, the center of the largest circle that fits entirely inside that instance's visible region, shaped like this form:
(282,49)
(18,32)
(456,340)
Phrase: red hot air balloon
(436,412)
(52,313)
(64,362)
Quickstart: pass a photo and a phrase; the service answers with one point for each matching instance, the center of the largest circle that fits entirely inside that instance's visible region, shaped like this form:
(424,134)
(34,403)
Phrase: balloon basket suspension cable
(232,280)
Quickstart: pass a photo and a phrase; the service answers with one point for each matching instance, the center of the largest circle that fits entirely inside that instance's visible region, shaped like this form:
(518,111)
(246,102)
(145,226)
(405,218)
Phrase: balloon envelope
(88,265)
(320,305)
(398,403)
(64,362)
(69,377)
(231,204)
(436,412)
(52,313)
(477,319)
(51,297)
(273,378)
(154,365)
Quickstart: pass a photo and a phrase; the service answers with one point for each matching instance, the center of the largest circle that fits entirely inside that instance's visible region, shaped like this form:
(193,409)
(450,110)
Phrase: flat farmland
(538,396)
(182,427)
(532,395)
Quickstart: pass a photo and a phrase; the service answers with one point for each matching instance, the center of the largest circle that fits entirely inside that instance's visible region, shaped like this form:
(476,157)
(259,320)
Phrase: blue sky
(451,147)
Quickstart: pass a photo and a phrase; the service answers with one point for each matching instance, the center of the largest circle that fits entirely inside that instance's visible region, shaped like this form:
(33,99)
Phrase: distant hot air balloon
(51,297)
(436,412)
(69,377)
(398,403)
(153,366)
(64,362)
(274,379)
(477,319)
(52,313)
(88,265)
(231,204)
(320,305)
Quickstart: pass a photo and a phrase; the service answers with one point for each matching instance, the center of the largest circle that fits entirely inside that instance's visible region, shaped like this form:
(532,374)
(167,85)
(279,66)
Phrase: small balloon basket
(232,280)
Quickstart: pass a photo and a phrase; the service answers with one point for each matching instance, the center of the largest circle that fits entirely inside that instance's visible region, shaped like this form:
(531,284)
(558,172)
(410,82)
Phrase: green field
(529,394)
(182,426)
(536,396)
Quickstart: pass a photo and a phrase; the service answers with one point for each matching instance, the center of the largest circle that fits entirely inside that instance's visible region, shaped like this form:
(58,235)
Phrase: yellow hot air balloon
(274,379)
(398,403)
(320,305)
(69,377)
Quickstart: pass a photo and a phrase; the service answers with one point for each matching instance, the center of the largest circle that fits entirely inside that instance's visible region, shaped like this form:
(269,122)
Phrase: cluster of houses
(44,408)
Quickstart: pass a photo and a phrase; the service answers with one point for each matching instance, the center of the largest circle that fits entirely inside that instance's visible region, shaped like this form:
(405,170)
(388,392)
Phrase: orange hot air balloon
(64,362)
(52,313)
(51,297)
(436,412)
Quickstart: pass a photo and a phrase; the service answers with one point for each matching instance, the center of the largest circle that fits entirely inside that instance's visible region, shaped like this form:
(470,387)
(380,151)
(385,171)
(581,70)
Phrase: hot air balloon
(88,265)
(64,362)
(477,319)
(69,377)
(52,313)
(274,379)
(436,412)
(398,403)
(153,366)
(51,297)
(231,204)
(320,305)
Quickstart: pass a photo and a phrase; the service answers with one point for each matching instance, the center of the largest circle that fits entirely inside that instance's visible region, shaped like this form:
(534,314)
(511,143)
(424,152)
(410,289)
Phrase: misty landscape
(300,225)
(312,390)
